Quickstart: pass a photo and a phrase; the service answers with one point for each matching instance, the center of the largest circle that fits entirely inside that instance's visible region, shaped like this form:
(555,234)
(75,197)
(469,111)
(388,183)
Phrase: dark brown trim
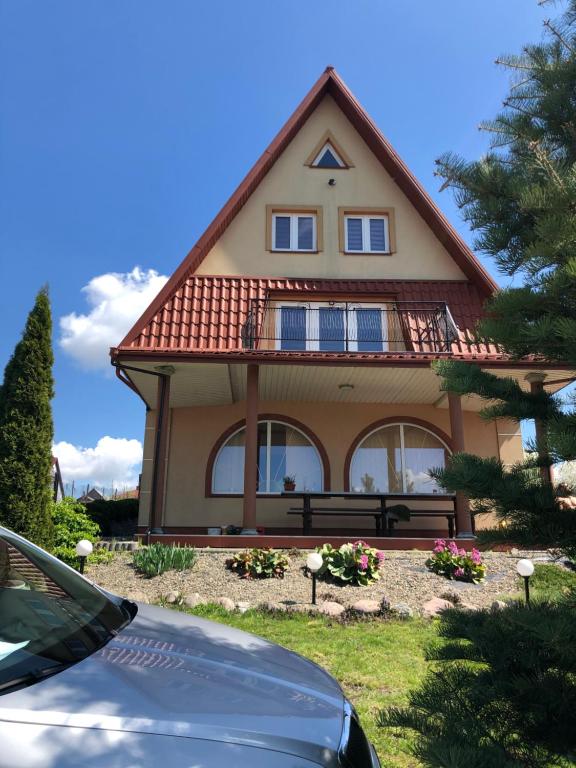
(353,359)
(410,420)
(314,439)
(328,83)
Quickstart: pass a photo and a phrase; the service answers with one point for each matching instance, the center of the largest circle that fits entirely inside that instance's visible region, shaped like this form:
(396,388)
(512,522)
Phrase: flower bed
(352,563)
(454,563)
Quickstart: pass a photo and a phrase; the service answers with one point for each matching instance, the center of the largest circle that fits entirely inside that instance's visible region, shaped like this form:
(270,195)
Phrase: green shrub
(259,564)
(158,558)
(68,555)
(447,560)
(71,523)
(502,693)
(115,517)
(351,564)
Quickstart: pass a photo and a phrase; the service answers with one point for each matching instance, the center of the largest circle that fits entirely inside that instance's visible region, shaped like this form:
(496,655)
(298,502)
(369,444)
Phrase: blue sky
(126,125)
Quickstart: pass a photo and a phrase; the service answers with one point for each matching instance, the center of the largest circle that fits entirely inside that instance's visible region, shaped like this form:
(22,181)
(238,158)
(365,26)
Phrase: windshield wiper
(34,676)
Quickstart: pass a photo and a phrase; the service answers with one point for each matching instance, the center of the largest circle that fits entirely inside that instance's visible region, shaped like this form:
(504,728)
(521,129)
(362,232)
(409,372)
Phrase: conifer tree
(26,429)
(520,200)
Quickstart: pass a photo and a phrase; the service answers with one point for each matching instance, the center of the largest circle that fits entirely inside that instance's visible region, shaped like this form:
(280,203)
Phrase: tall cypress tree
(520,199)
(26,429)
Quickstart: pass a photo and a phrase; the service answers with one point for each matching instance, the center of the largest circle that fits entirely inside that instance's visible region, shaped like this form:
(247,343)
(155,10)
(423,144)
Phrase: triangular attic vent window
(328,158)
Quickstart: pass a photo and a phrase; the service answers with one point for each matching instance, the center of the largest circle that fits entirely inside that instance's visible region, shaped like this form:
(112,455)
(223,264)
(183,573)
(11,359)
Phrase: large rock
(435,606)
(226,603)
(468,607)
(329,608)
(243,606)
(367,607)
(194,600)
(303,608)
(172,597)
(272,607)
(402,610)
(498,605)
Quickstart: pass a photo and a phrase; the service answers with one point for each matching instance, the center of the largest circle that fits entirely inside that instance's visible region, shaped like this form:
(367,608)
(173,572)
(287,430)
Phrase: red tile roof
(329,83)
(206,314)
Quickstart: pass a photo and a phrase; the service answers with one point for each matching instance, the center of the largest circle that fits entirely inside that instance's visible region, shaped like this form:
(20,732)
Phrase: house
(296,339)
(57,482)
(91,495)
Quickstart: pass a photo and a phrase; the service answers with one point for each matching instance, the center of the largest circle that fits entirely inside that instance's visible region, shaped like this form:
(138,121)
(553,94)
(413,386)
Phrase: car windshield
(50,617)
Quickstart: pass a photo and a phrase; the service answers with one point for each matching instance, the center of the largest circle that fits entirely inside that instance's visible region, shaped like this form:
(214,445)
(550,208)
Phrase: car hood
(173,674)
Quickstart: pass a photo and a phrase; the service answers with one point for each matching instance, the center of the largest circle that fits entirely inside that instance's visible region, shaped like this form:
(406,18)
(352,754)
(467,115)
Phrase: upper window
(282,450)
(293,232)
(366,230)
(328,153)
(397,458)
(328,157)
(294,229)
(366,234)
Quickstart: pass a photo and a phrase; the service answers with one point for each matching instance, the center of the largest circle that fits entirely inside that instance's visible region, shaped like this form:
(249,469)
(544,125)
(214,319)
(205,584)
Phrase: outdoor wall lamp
(525,569)
(332,182)
(83,549)
(314,563)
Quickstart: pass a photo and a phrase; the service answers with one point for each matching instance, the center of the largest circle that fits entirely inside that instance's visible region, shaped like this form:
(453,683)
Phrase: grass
(376,662)
(550,581)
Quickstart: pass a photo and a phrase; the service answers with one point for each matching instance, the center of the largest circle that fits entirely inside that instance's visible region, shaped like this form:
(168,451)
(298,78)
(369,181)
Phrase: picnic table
(385,515)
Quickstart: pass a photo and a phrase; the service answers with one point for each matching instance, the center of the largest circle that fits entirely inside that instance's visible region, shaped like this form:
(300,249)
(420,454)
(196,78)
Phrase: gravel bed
(404,579)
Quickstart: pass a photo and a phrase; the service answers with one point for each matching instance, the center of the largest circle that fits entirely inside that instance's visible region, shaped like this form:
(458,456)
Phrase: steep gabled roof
(329,83)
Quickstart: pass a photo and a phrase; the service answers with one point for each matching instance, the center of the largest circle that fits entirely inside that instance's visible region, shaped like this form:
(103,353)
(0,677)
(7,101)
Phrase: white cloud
(114,462)
(116,301)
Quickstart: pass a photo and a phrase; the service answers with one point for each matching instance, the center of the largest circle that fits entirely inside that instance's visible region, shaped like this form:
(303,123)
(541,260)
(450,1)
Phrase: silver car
(93,680)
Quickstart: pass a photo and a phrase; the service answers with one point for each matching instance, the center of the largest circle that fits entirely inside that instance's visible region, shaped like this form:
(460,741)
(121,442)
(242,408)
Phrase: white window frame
(313,326)
(365,218)
(294,231)
(335,153)
(268,423)
(400,424)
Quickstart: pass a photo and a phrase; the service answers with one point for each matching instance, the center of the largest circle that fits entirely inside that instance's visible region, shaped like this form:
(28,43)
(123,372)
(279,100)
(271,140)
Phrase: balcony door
(332,327)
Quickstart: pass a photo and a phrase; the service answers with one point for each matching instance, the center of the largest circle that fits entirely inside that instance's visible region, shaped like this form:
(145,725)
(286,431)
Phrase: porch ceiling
(195,384)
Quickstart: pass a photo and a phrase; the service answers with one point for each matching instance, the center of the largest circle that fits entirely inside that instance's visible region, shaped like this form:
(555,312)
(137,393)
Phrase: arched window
(282,450)
(396,458)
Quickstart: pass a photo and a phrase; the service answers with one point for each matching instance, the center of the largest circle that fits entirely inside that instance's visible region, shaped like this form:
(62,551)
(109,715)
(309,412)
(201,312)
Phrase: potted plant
(290,483)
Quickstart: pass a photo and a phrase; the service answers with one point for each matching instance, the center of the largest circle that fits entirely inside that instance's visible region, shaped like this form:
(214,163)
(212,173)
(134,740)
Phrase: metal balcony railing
(346,326)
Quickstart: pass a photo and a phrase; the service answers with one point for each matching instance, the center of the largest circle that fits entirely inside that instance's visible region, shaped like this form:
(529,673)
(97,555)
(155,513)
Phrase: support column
(463,516)
(536,381)
(251,451)
(160,450)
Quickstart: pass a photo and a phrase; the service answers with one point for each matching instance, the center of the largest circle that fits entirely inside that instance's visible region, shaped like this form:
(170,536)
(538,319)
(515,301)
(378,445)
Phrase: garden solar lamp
(314,563)
(525,568)
(83,549)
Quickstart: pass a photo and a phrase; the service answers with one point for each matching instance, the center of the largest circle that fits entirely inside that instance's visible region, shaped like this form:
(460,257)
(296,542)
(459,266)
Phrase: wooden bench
(385,517)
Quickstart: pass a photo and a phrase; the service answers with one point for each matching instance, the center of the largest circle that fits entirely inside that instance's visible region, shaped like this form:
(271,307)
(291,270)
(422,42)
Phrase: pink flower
(462,552)
(380,555)
(363,562)
(359,544)
(476,557)
(439,545)
(452,548)
(458,573)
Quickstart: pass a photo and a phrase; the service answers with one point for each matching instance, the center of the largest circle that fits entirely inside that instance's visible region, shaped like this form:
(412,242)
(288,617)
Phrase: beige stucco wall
(241,249)
(194,431)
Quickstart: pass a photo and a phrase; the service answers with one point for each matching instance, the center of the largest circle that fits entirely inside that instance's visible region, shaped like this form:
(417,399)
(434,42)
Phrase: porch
(220,437)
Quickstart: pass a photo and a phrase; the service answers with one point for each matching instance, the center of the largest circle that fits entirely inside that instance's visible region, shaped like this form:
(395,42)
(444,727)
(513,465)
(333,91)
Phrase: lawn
(376,662)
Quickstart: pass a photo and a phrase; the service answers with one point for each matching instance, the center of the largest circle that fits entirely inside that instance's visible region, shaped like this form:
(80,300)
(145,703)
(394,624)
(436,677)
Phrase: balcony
(346,326)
